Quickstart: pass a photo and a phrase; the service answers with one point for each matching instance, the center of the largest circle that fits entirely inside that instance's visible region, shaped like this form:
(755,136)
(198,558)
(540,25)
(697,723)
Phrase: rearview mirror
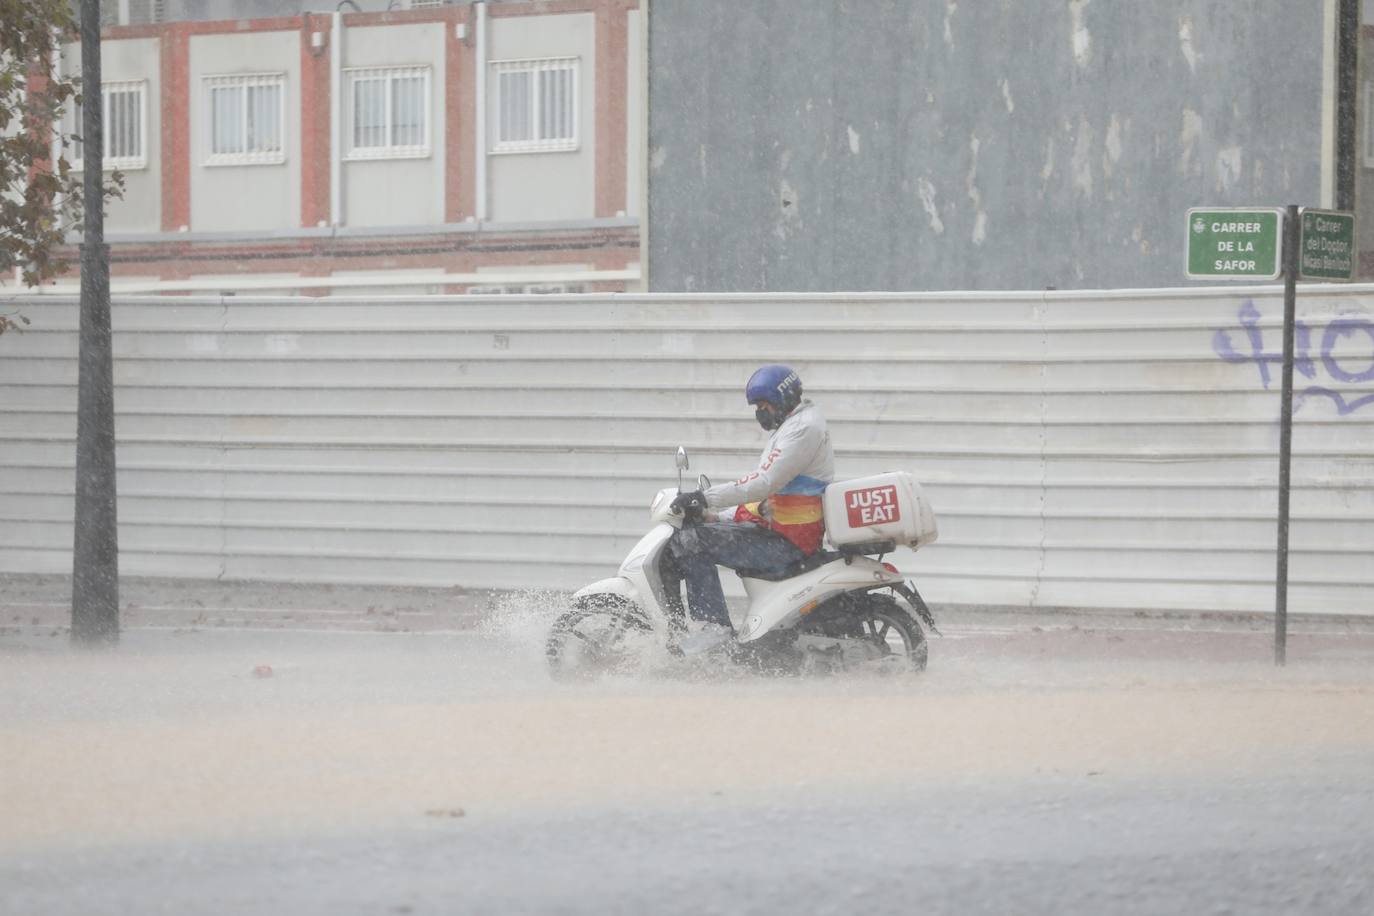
(682,463)
(703,482)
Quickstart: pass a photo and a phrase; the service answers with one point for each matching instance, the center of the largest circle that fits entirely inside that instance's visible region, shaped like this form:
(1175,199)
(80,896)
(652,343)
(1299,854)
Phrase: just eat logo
(873,506)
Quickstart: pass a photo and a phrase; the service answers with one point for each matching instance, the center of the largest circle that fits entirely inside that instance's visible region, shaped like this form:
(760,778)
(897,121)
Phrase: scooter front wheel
(598,636)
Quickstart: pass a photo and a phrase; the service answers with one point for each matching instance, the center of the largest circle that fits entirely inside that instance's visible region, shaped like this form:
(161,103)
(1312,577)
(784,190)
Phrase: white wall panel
(1081,449)
(390,191)
(535,186)
(249,197)
(139,208)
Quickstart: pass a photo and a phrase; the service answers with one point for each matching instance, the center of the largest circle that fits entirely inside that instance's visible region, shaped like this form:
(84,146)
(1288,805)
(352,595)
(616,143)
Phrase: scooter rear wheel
(882,621)
(595,638)
(894,628)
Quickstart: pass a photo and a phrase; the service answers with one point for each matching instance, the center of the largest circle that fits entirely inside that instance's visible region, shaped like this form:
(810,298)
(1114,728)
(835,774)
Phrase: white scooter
(835,610)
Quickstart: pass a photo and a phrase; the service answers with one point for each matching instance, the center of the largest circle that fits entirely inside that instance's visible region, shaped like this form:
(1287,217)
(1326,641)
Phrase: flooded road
(1042,766)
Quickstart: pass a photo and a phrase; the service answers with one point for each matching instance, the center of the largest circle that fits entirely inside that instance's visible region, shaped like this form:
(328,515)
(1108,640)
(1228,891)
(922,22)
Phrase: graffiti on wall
(1327,369)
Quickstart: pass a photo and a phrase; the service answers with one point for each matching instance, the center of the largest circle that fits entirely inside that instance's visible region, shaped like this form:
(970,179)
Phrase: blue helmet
(779,386)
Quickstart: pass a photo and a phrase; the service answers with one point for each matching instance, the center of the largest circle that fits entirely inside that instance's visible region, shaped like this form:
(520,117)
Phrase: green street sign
(1228,244)
(1327,246)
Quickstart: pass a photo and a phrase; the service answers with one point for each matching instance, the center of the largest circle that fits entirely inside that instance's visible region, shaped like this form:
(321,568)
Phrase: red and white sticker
(872,506)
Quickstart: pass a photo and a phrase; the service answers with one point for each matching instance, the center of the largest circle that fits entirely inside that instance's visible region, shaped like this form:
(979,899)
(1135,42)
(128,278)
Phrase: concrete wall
(556,185)
(237,198)
(397,192)
(1003,144)
(1080,449)
(140,209)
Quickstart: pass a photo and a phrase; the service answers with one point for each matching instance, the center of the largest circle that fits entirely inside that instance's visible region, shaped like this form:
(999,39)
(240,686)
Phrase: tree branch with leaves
(40,199)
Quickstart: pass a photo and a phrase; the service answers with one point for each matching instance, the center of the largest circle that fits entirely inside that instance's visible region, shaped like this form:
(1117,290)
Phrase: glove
(690,503)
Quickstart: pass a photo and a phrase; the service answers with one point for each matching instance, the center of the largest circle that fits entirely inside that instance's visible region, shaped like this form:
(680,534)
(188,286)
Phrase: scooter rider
(778,520)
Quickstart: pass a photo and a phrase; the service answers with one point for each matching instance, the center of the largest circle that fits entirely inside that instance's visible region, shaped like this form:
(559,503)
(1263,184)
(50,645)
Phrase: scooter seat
(819,558)
(806,564)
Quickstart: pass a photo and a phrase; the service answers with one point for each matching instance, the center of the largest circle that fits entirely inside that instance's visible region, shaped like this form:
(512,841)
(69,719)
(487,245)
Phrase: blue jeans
(698,550)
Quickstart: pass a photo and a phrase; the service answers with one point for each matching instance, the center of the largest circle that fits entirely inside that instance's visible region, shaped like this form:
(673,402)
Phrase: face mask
(767,416)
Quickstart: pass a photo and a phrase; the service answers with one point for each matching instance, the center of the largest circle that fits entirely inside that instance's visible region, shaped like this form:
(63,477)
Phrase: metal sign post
(1291,246)
(1235,244)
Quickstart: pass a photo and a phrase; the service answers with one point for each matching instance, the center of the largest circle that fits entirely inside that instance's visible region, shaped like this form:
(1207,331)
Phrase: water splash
(523,617)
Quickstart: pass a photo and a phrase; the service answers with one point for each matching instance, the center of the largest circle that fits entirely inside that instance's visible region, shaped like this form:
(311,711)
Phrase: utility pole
(95,554)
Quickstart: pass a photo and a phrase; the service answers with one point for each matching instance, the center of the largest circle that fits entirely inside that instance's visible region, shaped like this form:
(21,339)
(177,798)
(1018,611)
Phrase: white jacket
(797,461)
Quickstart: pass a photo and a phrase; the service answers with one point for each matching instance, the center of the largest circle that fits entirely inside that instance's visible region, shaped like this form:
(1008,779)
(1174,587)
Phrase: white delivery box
(884,507)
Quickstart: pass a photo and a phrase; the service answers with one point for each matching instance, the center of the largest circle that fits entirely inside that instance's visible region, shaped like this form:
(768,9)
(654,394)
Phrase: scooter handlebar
(691,505)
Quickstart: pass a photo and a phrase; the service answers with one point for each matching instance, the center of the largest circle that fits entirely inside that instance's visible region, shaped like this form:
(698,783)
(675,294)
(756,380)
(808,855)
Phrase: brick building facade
(448,148)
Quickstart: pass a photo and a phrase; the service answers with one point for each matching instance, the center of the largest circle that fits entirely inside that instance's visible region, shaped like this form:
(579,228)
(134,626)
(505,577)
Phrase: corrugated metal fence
(1082,449)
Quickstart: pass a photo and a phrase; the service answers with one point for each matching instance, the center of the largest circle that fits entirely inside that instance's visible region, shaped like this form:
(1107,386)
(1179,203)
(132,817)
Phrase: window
(389,116)
(125,126)
(536,105)
(132,12)
(246,119)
